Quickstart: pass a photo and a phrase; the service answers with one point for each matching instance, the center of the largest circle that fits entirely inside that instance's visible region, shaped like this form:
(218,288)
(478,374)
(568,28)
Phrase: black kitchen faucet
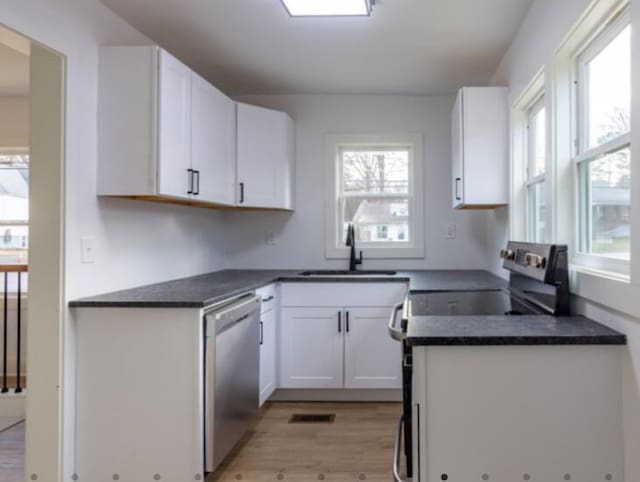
(351,241)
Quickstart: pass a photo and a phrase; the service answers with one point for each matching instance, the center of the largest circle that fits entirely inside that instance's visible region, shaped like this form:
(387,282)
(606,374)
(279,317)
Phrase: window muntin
(374,194)
(603,160)
(14,207)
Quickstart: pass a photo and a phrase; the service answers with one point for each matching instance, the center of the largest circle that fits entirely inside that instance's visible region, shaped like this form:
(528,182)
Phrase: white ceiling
(405,47)
(14,72)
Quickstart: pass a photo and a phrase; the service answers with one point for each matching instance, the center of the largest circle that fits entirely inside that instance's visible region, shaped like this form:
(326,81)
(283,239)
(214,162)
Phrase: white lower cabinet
(372,359)
(311,348)
(518,413)
(267,355)
(342,341)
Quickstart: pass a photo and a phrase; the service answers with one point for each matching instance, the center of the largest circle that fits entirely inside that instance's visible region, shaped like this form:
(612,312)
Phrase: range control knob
(507,254)
(534,260)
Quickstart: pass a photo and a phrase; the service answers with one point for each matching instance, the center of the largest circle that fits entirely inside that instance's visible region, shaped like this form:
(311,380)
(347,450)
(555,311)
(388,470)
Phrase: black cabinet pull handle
(190,174)
(261,333)
(242,192)
(268,298)
(347,321)
(196,175)
(458,198)
(339,321)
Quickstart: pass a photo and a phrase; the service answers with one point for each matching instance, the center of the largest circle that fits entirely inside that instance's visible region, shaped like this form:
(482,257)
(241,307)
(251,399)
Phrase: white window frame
(532,180)
(14,151)
(581,153)
(522,163)
(334,245)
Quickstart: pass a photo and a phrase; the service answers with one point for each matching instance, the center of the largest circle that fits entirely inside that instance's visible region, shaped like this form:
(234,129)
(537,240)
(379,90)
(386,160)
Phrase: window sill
(608,289)
(615,276)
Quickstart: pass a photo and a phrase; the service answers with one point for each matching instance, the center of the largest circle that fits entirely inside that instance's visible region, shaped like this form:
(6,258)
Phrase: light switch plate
(87,249)
(451,231)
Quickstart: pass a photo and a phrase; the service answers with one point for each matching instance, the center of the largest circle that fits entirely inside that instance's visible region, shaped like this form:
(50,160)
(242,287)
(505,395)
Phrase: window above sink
(375,183)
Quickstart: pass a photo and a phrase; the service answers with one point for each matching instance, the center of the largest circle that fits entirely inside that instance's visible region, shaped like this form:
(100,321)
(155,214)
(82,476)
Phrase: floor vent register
(312,418)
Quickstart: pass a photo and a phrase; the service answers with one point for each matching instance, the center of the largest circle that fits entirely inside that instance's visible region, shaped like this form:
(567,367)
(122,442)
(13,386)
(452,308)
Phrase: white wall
(14,121)
(136,242)
(546,24)
(300,235)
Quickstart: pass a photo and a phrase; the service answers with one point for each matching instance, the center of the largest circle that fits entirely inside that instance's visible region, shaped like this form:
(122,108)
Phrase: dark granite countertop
(207,289)
(509,330)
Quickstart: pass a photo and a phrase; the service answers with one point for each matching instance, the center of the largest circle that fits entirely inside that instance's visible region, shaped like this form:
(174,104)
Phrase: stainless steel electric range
(538,285)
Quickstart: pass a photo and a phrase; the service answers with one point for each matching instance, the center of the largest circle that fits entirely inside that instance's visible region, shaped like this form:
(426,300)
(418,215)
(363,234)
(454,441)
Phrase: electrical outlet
(451,231)
(270,238)
(87,249)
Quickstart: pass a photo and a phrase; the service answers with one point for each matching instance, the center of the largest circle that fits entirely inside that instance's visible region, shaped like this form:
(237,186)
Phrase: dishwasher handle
(227,316)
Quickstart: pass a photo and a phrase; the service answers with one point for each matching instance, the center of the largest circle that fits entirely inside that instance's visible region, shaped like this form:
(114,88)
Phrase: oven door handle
(397,453)
(395,333)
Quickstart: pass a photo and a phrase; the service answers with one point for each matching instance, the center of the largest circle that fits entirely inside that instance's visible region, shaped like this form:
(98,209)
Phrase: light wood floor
(12,454)
(357,446)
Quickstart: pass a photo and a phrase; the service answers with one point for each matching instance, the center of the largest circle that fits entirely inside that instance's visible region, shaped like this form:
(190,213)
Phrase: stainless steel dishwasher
(232,375)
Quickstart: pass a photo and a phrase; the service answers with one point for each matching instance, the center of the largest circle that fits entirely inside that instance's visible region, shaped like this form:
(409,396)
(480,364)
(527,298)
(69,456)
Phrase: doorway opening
(32,99)
(15,60)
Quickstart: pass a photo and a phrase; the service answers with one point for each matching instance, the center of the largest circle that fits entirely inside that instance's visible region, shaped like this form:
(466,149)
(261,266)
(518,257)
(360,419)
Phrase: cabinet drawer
(268,295)
(342,294)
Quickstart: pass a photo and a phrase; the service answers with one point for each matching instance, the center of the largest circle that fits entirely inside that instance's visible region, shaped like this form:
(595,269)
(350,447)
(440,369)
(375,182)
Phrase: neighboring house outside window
(14,207)
(376,185)
(602,148)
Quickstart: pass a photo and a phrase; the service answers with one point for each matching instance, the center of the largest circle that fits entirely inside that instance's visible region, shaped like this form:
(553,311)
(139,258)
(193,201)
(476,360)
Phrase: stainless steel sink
(347,273)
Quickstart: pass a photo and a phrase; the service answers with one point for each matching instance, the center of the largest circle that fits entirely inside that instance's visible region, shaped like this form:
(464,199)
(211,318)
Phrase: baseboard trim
(13,404)
(337,395)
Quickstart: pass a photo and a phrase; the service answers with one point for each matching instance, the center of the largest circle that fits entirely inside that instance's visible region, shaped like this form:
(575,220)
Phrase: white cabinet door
(372,358)
(265,158)
(311,348)
(267,355)
(480,148)
(174,127)
(457,151)
(213,139)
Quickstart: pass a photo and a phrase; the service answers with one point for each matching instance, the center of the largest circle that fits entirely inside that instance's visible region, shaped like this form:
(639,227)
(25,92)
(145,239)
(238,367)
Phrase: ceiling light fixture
(328,8)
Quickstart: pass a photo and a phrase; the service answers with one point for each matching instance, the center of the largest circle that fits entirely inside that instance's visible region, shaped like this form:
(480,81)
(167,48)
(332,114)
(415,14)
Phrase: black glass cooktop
(462,303)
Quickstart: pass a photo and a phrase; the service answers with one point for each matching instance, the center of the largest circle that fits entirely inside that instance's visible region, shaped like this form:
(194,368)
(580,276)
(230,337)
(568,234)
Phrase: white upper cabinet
(480,148)
(213,143)
(165,133)
(174,127)
(265,158)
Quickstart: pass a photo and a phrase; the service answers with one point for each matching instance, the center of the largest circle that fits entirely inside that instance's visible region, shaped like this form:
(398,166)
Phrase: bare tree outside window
(375,188)
(605,177)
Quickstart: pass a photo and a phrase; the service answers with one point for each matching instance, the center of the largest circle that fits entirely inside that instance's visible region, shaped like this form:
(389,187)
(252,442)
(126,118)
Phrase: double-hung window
(536,157)
(376,186)
(602,147)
